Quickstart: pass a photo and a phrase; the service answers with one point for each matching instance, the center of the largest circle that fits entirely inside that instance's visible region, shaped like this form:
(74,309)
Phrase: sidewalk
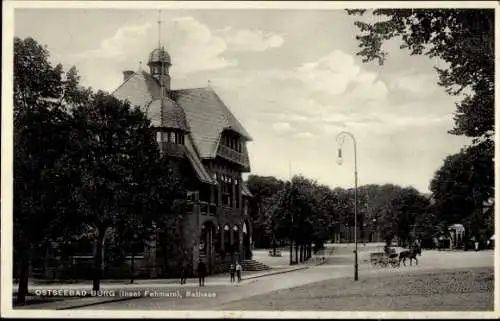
(112,288)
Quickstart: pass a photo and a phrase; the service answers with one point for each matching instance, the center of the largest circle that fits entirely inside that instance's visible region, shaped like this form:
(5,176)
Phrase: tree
(381,208)
(41,138)
(407,205)
(298,216)
(462,185)
(264,190)
(327,213)
(427,225)
(119,179)
(168,198)
(463,38)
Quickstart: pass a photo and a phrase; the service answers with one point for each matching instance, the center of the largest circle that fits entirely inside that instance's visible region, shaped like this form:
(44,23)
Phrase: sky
(291,77)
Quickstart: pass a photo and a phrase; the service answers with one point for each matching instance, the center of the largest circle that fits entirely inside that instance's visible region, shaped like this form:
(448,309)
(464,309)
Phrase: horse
(410,254)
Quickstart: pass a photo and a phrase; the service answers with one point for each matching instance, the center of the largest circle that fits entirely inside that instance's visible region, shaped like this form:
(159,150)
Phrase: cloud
(305,135)
(194,47)
(331,74)
(337,74)
(251,40)
(282,127)
(116,47)
(412,82)
(368,87)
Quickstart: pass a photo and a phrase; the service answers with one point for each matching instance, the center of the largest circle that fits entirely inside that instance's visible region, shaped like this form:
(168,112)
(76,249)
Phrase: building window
(237,197)
(179,138)
(191,196)
(227,191)
(226,239)
(233,143)
(160,135)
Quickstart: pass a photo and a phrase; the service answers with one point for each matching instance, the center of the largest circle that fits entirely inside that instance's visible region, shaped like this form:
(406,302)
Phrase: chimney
(127,74)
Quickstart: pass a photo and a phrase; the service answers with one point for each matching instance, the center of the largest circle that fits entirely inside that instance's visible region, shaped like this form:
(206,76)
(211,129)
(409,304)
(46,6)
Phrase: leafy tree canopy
(464,183)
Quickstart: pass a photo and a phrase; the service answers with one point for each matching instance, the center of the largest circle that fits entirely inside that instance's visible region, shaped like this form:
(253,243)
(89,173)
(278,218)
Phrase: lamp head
(339,157)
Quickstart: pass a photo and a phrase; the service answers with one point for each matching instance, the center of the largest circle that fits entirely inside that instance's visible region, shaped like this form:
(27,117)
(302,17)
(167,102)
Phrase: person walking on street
(232,271)
(238,271)
(183,272)
(202,271)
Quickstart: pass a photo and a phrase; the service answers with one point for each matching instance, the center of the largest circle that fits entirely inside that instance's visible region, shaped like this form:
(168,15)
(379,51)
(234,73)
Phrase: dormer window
(233,142)
(170,137)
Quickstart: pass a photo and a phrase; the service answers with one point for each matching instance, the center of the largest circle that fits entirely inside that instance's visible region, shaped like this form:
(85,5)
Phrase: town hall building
(195,128)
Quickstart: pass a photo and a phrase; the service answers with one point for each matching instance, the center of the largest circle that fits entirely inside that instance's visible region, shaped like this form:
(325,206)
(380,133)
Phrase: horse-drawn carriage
(384,259)
(391,258)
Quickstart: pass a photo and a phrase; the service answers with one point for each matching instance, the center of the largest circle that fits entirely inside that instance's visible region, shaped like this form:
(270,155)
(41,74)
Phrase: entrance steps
(252,265)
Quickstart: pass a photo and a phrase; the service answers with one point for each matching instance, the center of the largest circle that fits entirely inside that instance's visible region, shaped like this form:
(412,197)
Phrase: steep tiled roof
(173,115)
(198,110)
(195,161)
(143,90)
(139,89)
(208,117)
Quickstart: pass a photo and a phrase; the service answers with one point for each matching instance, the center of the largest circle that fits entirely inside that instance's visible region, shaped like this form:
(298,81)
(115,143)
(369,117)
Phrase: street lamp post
(132,261)
(340,139)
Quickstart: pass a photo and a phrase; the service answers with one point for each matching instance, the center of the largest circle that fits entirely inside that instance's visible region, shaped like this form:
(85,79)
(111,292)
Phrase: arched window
(217,239)
(236,238)
(226,238)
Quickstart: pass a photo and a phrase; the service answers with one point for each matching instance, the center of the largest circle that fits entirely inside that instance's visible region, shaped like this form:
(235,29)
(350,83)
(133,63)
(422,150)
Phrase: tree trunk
(296,253)
(274,246)
(98,262)
(301,252)
(291,252)
(132,267)
(24,275)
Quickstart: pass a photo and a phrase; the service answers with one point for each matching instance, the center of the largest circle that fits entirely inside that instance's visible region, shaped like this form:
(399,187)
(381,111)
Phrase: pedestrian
(232,271)
(238,271)
(202,270)
(183,272)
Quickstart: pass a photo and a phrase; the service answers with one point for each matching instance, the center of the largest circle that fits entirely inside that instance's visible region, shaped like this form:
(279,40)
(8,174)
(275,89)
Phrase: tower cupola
(159,64)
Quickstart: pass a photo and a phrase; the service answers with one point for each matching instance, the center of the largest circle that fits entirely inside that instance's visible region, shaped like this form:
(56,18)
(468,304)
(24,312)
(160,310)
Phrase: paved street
(337,268)
(446,290)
